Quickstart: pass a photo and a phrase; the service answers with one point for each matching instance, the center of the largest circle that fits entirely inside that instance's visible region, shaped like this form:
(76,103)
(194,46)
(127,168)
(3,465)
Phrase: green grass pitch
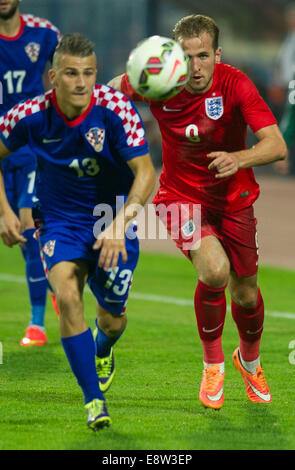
(153,400)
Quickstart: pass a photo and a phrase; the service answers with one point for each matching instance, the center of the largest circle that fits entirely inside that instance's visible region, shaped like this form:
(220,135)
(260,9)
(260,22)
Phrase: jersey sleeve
(127,89)
(127,129)
(255,111)
(13,130)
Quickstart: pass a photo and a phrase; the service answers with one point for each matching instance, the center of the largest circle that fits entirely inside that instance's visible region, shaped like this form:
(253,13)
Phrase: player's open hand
(226,164)
(111,243)
(10,228)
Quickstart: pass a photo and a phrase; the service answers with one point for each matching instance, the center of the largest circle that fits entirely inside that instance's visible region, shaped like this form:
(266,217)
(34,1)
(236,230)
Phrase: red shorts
(188,223)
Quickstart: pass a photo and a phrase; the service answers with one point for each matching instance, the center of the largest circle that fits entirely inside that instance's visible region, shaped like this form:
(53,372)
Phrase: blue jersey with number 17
(82,162)
(23,60)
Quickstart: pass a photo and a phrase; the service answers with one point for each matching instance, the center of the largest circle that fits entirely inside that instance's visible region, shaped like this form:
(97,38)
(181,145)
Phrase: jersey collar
(20,32)
(79,119)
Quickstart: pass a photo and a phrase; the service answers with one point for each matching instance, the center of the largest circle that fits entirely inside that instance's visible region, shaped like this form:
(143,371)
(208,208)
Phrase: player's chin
(80,99)
(199,86)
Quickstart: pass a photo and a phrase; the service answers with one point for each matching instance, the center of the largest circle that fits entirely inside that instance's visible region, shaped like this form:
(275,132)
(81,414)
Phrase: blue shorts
(67,242)
(19,171)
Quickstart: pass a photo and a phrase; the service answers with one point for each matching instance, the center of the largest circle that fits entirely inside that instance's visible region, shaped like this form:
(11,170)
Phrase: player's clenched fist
(226,164)
(10,229)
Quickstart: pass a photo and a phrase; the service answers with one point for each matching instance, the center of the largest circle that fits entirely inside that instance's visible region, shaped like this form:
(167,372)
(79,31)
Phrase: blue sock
(104,343)
(36,279)
(80,351)
(37,316)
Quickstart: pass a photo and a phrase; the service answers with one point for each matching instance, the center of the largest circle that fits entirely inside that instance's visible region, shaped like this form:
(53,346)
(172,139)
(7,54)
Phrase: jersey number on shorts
(14,80)
(88,166)
(125,277)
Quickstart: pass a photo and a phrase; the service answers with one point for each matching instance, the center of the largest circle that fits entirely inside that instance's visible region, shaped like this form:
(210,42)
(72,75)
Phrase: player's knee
(216,274)
(69,300)
(246,297)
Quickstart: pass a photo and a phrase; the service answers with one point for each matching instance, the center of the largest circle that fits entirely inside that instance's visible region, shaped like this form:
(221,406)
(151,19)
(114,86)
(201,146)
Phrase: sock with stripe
(36,279)
(104,343)
(249,322)
(210,309)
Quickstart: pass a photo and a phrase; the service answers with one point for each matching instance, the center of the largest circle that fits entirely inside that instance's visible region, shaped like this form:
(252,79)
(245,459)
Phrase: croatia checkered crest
(158,68)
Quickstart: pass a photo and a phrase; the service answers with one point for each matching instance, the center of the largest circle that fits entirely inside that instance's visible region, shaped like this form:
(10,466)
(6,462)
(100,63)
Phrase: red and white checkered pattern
(120,104)
(19,111)
(35,22)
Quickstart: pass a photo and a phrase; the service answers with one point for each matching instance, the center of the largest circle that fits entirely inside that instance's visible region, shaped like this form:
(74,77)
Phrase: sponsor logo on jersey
(95,137)
(32,49)
(48,248)
(214,107)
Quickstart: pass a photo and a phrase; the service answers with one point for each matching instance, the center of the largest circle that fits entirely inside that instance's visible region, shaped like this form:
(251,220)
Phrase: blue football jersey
(23,59)
(83,162)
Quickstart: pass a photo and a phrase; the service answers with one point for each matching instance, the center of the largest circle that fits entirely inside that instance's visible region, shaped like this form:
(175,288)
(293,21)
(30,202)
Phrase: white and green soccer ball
(158,68)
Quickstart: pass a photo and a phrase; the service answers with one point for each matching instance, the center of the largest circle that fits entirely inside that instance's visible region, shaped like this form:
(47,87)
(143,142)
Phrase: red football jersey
(194,125)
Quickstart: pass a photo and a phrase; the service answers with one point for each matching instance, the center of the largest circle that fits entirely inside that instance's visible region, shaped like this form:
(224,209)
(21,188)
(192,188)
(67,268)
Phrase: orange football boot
(211,392)
(34,337)
(256,386)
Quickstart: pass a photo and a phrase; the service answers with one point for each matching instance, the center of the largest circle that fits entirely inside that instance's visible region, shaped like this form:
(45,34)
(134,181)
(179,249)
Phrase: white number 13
(89,166)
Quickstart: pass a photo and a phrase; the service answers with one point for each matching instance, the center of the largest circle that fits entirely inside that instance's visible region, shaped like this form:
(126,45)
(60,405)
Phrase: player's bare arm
(271,147)
(116,82)
(112,240)
(9,223)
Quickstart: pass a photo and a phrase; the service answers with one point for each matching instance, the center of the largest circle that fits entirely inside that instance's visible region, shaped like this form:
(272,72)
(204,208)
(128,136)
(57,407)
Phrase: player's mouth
(197,78)
(4,5)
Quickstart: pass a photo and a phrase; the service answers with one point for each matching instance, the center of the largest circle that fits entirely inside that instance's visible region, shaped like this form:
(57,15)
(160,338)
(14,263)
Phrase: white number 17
(12,75)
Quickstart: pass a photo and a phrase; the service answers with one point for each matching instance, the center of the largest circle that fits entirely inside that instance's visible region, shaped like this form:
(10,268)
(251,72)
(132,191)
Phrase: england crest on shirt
(32,49)
(214,107)
(95,137)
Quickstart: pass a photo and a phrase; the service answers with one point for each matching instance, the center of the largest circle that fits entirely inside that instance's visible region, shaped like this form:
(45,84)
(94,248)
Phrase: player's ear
(52,76)
(218,55)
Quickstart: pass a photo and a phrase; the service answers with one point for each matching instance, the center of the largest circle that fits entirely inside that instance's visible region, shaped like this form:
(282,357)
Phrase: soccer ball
(158,68)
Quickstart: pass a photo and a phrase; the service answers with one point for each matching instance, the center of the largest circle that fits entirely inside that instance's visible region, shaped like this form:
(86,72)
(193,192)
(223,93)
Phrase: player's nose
(195,64)
(80,81)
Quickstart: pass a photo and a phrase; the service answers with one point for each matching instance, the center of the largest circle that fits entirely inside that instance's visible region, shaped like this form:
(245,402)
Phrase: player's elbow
(282,151)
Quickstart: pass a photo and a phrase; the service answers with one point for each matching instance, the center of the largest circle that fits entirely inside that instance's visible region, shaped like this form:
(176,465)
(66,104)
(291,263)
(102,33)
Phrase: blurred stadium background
(252,38)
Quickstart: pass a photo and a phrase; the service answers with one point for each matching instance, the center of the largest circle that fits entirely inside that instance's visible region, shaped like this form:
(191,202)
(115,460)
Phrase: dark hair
(194,25)
(74,44)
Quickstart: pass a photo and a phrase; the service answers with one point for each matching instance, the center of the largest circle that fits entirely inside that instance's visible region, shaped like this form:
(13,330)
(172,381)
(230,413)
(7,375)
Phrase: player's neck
(10,27)
(69,111)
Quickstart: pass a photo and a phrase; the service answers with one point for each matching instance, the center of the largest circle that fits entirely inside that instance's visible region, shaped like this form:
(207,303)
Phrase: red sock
(250,325)
(210,308)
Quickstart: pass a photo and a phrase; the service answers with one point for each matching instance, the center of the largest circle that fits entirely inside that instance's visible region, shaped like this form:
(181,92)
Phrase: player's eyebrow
(75,69)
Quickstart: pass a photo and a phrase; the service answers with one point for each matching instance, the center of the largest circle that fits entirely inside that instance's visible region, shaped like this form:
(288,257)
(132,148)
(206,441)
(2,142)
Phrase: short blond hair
(194,25)
(74,44)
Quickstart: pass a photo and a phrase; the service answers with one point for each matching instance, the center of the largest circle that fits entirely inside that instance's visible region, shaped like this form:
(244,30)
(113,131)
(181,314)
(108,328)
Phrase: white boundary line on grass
(150,297)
